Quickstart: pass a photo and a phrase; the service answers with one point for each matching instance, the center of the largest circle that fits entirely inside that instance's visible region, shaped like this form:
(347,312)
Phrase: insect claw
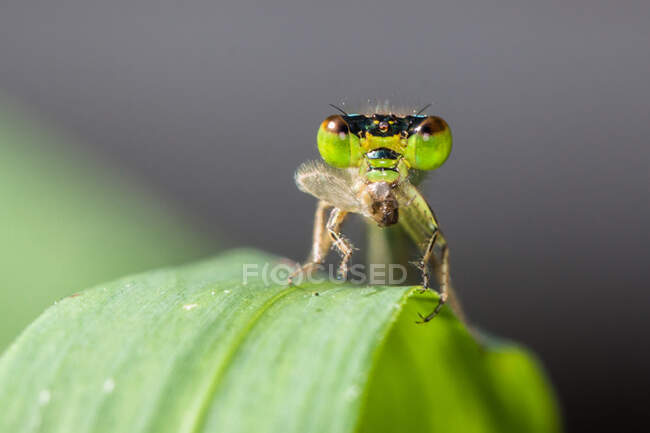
(434,313)
(293,274)
(290,279)
(306,270)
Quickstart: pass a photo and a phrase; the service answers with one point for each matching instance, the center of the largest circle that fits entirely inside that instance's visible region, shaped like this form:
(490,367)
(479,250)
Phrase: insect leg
(428,261)
(447,294)
(341,244)
(442,272)
(321,243)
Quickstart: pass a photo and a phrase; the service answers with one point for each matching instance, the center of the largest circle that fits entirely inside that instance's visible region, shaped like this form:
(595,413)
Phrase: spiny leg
(344,247)
(428,261)
(442,273)
(321,243)
(420,223)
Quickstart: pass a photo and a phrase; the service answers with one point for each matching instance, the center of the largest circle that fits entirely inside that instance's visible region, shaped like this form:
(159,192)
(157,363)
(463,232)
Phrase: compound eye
(336,145)
(335,124)
(429,145)
(431,125)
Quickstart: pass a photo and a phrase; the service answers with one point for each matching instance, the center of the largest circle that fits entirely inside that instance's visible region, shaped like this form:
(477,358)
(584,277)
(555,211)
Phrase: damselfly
(369,161)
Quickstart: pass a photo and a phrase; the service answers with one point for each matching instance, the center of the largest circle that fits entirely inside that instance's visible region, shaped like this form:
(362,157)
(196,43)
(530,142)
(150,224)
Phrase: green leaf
(193,349)
(68,222)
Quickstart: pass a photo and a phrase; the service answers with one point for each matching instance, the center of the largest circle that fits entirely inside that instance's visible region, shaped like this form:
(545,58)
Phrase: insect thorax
(383,165)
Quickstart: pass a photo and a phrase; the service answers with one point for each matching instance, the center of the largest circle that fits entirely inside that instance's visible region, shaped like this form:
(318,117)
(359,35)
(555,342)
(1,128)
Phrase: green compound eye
(429,145)
(337,146)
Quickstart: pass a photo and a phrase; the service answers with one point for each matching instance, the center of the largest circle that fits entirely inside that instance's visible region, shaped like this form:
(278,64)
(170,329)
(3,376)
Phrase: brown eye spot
(336,125)
(430,126)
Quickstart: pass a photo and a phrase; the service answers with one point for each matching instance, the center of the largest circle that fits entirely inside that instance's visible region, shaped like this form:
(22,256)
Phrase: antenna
(422,109)
(340,109)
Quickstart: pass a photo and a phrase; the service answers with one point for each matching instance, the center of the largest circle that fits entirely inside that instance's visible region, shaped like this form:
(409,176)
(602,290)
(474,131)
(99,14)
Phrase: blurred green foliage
(67,222)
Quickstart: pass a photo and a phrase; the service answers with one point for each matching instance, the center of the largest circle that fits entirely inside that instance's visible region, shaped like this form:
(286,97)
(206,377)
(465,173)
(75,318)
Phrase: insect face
(377,143)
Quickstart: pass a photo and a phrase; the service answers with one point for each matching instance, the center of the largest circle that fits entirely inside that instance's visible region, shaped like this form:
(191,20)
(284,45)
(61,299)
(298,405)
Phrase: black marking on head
(384,125)
(413,122)
(378,125)
(388,125)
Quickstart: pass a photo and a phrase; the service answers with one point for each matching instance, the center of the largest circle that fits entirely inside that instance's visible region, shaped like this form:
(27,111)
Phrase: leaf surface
(194,349)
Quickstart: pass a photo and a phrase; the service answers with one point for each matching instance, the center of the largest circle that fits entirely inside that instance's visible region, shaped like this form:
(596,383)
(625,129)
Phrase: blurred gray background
(544,199)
